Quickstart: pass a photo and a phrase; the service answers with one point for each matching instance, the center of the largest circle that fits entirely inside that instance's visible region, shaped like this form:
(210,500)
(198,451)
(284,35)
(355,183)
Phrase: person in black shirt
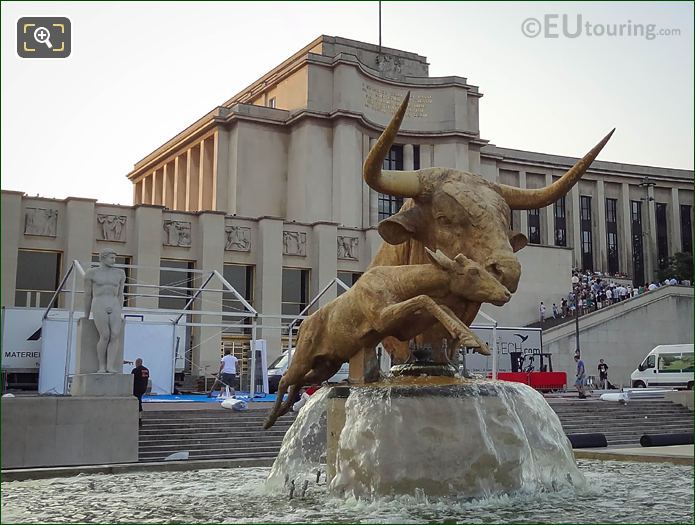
(141,376)
(602,375)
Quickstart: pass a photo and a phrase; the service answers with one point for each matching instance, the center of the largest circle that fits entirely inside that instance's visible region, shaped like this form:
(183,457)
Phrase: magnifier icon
(43,36)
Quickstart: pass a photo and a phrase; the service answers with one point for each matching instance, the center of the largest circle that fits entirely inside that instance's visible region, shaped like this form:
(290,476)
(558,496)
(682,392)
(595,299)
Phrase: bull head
(460,212)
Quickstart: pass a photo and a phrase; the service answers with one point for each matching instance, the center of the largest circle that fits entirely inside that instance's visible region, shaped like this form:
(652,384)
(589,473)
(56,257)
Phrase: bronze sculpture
(398,301)
(450,211)
(457,212)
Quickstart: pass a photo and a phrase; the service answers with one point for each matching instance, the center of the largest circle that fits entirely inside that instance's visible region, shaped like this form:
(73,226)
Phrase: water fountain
(424,429)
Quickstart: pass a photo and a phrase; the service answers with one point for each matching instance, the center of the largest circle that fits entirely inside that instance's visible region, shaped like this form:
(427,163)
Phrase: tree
(680,266)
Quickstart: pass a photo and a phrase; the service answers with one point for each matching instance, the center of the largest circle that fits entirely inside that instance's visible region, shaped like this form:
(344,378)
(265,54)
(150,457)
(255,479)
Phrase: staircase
(622,424)
(210,434)
(223,434)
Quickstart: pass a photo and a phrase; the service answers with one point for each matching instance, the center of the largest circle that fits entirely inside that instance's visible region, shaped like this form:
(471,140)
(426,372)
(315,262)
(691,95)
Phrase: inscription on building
(387,101)
(294,243)
(177,233)
(111,227)
(41,221)
(237,238)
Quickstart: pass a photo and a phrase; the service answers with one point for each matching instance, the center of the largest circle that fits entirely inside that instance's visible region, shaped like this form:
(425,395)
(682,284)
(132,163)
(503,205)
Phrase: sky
(141,72)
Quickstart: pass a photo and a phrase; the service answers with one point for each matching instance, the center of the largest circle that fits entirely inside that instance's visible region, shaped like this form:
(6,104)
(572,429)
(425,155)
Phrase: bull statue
(457,212)
(398,301)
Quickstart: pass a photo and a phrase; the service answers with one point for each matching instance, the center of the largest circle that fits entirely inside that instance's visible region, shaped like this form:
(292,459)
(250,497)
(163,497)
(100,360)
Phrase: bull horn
(396,183)
(524,199)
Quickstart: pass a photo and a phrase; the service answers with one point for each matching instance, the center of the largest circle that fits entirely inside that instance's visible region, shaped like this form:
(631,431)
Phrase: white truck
(666,366)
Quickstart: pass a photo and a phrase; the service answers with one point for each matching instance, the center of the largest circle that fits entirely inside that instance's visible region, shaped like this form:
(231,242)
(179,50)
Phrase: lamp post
(576,326)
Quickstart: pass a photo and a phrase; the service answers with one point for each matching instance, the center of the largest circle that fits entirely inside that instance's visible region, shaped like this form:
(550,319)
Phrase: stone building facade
(267,187)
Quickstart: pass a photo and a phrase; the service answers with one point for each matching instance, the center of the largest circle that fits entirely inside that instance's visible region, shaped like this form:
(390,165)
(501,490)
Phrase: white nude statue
(104,298)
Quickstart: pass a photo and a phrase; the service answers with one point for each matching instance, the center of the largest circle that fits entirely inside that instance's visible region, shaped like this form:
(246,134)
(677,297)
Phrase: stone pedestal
(100,385)
(48,431)
(87,338)
(364,367)
(86,382)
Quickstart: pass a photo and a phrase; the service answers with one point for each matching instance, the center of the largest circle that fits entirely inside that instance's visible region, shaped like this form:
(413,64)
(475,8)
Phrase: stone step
(213,447)
(195,455)
(618,408)
(194,440)
(627,423)
(210,430)
(239,442)
(216,453)
(624,415)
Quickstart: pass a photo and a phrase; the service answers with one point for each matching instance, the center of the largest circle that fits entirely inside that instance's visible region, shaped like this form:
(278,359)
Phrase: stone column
(207,339)
(325,259)
(366,190)
(374,241)
(549,212)
(12,228)
(462,161)
(347,174)
(180,199)
(650,245)
(523,214)
(576,226)
(426,156)
(408,157)
(625,231)
(602,256)
(675,229)
(148,253)
(268,291)
(222,170)
(79,241)
(373,199)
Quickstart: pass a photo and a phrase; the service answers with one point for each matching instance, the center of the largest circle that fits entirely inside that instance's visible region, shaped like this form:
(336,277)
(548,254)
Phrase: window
(560,222)
(295,290)
(38,276)
(241,278)
(171,298)
(669,363)
(534,227)
(388,204)
(613,263)
(348,278)
(686,228)
(120,259)
(612,210)
(585,224)
(272,102)
(416,157)
(661,235)
(649,362)
(637,249)
(612,235)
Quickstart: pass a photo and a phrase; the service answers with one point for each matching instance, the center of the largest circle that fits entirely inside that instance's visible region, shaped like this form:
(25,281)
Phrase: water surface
(618,492)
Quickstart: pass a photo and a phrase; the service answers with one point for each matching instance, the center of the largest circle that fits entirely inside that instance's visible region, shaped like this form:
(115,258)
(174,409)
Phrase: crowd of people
(592,291)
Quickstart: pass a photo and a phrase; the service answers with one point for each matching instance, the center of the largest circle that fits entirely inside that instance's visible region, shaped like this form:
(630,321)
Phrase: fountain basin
(445,436)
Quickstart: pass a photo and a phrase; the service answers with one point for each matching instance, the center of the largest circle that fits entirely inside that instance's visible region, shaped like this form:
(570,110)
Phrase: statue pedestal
(102,385)
(51,431)
(86,382)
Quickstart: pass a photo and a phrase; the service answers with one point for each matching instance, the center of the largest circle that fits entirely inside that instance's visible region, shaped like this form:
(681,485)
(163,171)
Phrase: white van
(279,366)
(667,366)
